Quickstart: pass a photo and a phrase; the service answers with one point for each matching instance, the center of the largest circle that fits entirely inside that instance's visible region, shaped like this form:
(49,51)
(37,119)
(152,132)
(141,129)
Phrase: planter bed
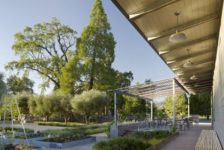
(20,147)
(163,142)
(65,144)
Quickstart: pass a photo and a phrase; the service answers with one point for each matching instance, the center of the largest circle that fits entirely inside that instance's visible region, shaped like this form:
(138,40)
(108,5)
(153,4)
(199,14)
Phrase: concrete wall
(218,86)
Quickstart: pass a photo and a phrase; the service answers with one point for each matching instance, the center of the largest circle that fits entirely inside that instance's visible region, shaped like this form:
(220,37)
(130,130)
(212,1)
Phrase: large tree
(95,50)
(19,84)
(44,48)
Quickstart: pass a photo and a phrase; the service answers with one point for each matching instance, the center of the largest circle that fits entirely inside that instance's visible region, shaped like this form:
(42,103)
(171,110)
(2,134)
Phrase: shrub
(121,144)
(89,103)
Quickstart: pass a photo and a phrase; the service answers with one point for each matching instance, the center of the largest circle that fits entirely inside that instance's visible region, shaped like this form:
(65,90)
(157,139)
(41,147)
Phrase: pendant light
(193,77)
(189,63)
(177,36)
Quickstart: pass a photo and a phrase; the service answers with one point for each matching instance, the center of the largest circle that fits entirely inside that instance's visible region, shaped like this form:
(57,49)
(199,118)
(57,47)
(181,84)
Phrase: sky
(132,52)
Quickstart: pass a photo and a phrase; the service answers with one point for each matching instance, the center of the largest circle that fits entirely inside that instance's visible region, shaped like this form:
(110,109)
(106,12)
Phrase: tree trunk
(91,81)
(207,117)
(86,119)
(66,119)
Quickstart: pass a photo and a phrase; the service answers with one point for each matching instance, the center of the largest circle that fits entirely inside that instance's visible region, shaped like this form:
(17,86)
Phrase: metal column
(151,110)
(188,105)
(174,102)
(115,108)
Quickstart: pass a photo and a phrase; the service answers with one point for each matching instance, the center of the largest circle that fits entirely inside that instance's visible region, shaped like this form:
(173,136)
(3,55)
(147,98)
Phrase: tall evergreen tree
(95,50)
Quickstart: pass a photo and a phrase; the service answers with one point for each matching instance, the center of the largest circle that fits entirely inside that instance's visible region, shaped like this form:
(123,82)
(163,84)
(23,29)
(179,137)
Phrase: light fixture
(194,77)
(177,36)
(189,63)
(196,85)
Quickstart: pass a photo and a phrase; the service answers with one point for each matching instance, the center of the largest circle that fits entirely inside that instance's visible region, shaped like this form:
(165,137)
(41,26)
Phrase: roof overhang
(199,20)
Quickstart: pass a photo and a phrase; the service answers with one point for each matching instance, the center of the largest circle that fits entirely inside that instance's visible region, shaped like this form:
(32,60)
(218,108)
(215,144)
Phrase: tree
(134,107)
(22,101)
(95,50)
(181,106)
(123,79)
(2,86)
(64,108)
(148,81)
(201,104)
(89,103)
(70,79)
(16,84)
(44,48)
(8,107)
(44,106)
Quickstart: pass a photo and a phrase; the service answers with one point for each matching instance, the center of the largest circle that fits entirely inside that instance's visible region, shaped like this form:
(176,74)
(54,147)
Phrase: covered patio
(187,36)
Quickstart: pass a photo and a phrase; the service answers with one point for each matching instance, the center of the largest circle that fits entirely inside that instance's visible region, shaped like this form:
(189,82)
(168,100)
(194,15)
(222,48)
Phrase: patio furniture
(208,140)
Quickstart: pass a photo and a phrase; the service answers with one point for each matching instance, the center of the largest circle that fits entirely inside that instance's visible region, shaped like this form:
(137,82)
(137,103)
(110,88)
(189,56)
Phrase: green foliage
(84,129)
(95,51)
(19,84)
(201,104)
(134,107)
(145,136)
(121,144)
(89,103)
(44,105)
(8,106)
(44,48)
(22,101)
(2,86)
(181,106)
(64,109)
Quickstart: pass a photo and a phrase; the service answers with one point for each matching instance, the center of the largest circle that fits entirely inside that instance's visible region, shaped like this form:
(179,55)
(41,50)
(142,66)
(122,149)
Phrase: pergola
(152,90)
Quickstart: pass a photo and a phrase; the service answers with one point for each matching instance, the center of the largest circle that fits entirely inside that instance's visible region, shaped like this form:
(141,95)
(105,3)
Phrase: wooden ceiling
(199,20)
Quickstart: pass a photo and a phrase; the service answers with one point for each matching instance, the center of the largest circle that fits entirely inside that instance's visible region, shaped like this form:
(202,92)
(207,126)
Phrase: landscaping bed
(19,147)
(150,140)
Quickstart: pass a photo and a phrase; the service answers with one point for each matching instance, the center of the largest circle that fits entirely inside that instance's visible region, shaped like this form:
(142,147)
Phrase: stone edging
(163,142)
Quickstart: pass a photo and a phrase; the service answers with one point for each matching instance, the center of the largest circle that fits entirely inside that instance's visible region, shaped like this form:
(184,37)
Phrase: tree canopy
(17,84)
(45,49)
(95,50)
(89,103)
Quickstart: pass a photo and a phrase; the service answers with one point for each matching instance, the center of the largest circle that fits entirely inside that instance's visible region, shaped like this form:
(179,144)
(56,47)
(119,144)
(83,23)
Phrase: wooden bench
(208,140)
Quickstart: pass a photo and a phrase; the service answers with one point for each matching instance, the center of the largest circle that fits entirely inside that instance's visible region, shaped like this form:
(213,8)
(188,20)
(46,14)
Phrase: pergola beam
(185,26)
(151,8)
(187,44)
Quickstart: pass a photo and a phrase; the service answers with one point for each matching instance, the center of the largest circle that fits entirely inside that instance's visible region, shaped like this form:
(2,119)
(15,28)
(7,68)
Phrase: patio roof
(153,90)
(199,20)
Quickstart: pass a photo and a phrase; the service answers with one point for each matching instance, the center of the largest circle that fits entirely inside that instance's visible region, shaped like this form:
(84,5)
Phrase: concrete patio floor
(187,139)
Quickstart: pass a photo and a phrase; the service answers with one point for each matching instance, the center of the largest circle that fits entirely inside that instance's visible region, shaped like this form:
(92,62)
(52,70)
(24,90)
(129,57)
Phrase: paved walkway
(187,139)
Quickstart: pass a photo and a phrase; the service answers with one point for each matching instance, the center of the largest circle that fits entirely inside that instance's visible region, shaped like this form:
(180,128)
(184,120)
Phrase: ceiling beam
(185,26)
(151,8)
(195,62)
(201,77)
(187,44)
(190,56)
(200,71)
(196,65)
(199,83)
